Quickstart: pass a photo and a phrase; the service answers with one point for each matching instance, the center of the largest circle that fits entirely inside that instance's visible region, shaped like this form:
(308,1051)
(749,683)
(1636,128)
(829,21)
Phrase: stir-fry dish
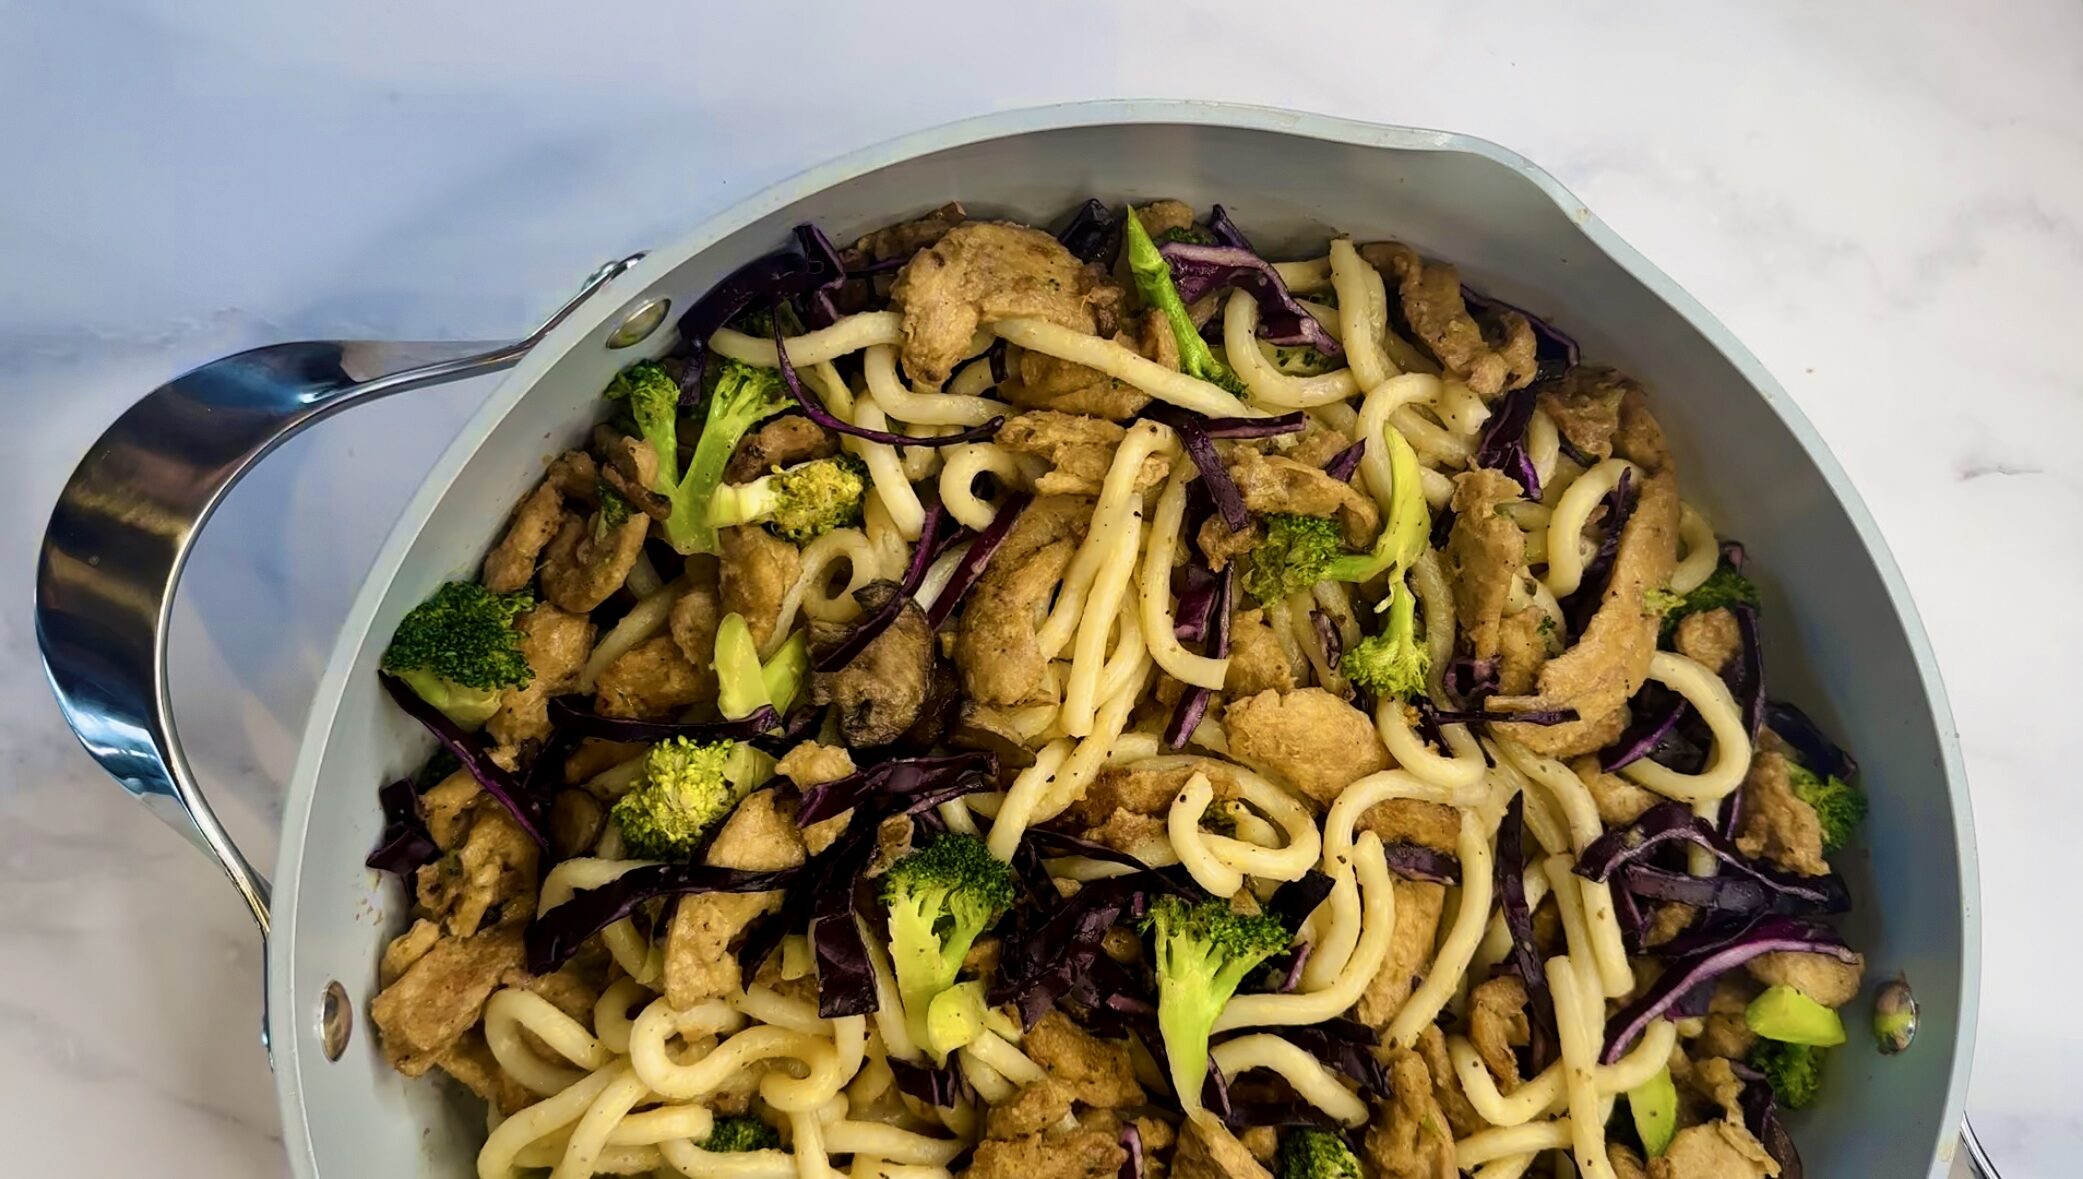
(1104,703)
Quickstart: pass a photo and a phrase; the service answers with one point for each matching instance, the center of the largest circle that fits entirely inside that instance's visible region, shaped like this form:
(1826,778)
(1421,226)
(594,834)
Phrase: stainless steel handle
(1978,1163)
(129,515)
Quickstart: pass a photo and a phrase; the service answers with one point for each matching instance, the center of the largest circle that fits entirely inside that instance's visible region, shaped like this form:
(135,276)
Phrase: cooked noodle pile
(1325,593)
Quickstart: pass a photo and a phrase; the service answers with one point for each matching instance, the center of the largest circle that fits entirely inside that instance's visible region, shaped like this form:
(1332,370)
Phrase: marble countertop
(1883,200)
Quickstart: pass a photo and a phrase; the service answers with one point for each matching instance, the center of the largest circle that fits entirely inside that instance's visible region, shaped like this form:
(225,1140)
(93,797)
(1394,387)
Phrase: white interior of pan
(1840,638)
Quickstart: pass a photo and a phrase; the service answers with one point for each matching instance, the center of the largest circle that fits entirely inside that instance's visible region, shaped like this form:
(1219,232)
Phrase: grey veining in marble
(1885,201)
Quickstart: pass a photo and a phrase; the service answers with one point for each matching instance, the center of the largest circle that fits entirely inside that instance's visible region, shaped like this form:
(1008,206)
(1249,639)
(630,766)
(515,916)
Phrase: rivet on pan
(335,1020)
(642,320)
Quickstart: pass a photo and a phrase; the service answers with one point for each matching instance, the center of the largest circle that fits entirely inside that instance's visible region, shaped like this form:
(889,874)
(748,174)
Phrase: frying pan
(1841,632)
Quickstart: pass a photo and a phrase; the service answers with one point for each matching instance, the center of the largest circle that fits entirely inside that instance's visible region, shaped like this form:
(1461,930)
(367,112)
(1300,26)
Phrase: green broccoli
(1190,234)
(1839,805)
(941,898)
(798,504)
(738,1134)
(1153,277)
(742,396)
(1202,952)
(653,398)
(1295,555)
(1392,664)
(685,789)
(1310,1153)
(1300,551)
(1723,587)
(1795,1071)
(459,650)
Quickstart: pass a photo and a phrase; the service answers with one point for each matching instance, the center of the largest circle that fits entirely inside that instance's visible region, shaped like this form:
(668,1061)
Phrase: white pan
(1840,629)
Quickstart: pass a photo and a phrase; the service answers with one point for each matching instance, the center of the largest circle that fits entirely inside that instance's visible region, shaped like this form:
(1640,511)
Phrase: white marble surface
(1885,200)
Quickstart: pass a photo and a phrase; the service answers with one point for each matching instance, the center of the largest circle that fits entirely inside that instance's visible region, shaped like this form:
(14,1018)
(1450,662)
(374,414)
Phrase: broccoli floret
(742,398)
(737,1134)
(654,402)
(1723,587)
(1190,234)
(686,788)
(1295,555)
(755,323)
(1300,551)
(798,504)
(459,650)
(1392,664)
(1309,1153)
(1795,1071)
(1839,805)
(941,898)
(1153,278)
(1202,952)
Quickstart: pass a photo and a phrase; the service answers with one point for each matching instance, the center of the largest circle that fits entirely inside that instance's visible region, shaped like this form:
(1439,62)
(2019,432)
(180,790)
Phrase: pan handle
(128,517)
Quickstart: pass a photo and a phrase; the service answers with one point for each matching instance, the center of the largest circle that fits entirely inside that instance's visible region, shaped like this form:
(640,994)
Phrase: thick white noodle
(495,1160)
(1337,928)
(892,1143)
(589,1136)
(1472,914)
(1543,1094)
(886,471)
(1511,1142)
(510,1011)
(1313,274)
(1543,445)
(848,335)
(695,1163)
(1130,658)
(1566,525)
(611,1018)
(1110,522)
(1024,796)
(628,947)
(810,593)
(1309,1077)
(1579,1062)
(887,390)
(973,380)
(1709,695)
(958,478)
(1155,597)
(1580,812)
(1360,294)
(1267,384)
(1317,1005)
(1701,551)
(1123,365)
(1103,604)
(1183,824)
(1436,600)
(1569,905)
(1382,401)
(1464,770)
(1291,843)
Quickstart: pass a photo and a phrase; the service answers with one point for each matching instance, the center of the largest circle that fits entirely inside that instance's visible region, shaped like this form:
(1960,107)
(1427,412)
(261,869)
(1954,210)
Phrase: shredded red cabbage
(819,309)
(1761,1114)
(1768,934)
(1555,353)
(1328,640)
(1654,712)
(763,281)
(1092,235)
(1814,750)
(1295,900)
(1195,584)
(1502,444)
(939,1087)
(1225,231)
(1272,427)
(1745,674)
(1415,861)
(1194,704)
(1198,270)
(935,535)
(405,844)
(1131,1143)
(903,781)
(1193,435)
(1672,822)
(470,750)
(555,936)
(814,409)
(1345,462)
(976,559)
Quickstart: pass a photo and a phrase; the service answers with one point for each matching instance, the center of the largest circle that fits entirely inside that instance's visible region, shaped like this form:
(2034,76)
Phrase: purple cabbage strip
(1092,233)
(1196,592)
(820,310)
(1656,710)
(1327,637)
(1062,843)
(1672,822)
(1761,1115)
(935,534)
(814,409)
(906,780)
(1295,900)
(976,559)
(1132,1147)
(765,280)
(1555,352)
(555,936)
(1770,934)
(1814,750)
(1225,231)
(1531,716)
(1199,270)
(1272,427)
(1501,445)
(1291,973)
(570,717)
(504,788)
(1468,681)
(405,844)
(939,1087)
(845,973)
(1345,462)
(1414,861)
(1525,958)
(1194,704)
